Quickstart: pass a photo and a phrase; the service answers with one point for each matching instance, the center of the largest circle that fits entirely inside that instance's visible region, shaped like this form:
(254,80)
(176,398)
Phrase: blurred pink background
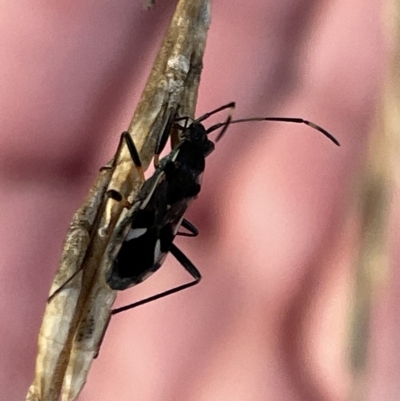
(270,320)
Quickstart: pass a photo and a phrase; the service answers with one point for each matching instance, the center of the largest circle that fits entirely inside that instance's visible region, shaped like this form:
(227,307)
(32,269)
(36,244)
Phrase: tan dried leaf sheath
(76,317)
(61,317)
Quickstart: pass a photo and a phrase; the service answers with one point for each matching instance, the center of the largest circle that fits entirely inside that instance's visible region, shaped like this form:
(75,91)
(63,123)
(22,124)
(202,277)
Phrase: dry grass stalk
(377,183)
(76,317)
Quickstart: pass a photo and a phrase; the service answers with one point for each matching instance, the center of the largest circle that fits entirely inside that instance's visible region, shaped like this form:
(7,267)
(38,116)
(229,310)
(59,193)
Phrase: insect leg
(190,268)
(193,231)
(125,136)
(134,153)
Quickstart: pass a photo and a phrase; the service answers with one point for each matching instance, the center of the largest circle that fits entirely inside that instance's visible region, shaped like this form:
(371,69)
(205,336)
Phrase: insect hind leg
(192,231)
(189,267)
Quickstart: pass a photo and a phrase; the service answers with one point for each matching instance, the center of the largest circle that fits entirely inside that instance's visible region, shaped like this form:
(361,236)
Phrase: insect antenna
(230,105)
(225,124)
(278,119)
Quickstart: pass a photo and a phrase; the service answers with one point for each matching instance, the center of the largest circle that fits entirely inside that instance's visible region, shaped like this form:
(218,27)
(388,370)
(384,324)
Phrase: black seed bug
(163,200)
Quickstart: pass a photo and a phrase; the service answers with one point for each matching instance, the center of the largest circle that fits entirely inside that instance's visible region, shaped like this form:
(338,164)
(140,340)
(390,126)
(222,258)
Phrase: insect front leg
(126,137)
(186,263)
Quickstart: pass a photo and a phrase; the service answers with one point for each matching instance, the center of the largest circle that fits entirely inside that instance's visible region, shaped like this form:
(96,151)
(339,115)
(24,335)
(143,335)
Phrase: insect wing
(136,259)
(159,210)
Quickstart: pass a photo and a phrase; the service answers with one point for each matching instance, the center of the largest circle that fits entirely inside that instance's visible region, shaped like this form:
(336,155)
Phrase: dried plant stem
(76,317)
(377,184)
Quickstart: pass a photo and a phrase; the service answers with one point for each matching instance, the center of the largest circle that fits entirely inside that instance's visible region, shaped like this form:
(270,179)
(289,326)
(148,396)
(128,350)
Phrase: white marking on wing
(173,158)
(178,225)
(135,233)
(157,250)
(148,197)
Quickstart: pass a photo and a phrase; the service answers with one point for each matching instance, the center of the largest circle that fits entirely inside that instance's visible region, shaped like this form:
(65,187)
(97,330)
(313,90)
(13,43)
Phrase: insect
(163,200)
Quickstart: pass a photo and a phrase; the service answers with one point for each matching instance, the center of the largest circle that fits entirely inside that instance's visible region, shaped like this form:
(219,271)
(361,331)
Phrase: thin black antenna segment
(230,105)
(279,119)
